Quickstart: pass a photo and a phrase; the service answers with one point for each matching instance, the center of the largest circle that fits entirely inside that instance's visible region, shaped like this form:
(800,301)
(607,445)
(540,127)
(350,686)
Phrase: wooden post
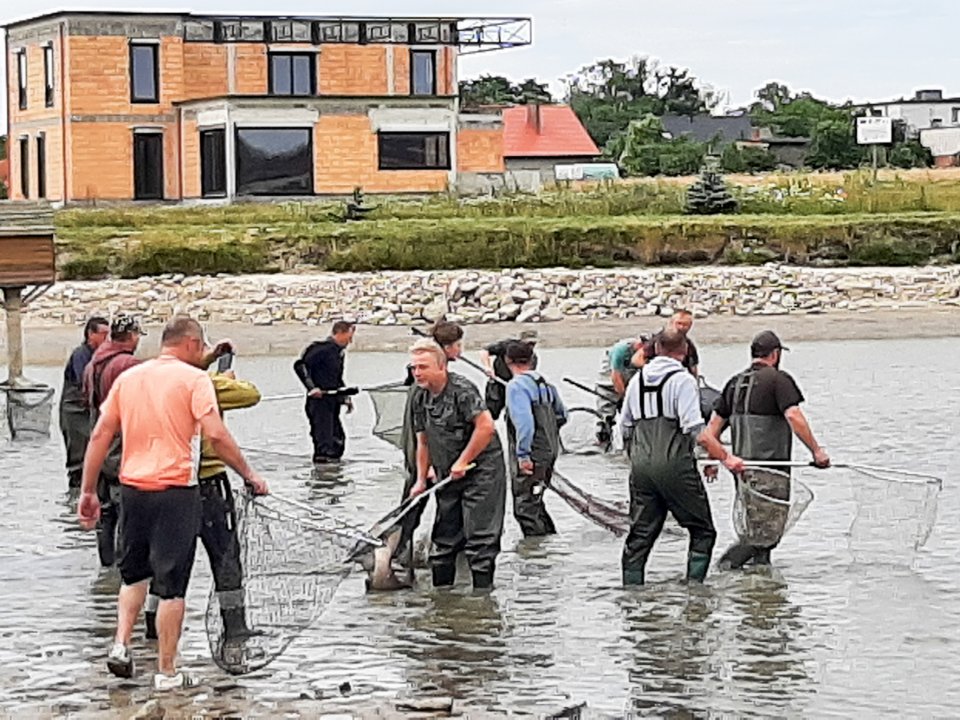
(12,304)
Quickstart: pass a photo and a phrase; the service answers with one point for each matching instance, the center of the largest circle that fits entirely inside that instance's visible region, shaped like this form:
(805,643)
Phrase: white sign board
(874,130)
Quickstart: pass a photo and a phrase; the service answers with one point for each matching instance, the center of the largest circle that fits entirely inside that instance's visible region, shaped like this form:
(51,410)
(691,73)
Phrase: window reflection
(274,161)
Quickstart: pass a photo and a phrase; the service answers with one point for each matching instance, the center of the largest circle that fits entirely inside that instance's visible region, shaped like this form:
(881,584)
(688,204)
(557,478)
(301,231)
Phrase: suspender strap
(651,389)
(742,392)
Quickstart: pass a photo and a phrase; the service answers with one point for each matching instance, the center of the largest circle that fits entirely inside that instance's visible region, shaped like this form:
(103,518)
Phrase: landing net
(293,559)
(586,432)
(767,504)
(29,410)
(608,515)
(389,403)
(896,511)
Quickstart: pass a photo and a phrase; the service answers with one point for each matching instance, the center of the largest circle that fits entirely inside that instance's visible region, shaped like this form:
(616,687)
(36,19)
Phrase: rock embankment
(397,298)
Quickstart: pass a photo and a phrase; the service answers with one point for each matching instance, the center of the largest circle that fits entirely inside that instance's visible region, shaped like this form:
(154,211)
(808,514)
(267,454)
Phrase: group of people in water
(147,445)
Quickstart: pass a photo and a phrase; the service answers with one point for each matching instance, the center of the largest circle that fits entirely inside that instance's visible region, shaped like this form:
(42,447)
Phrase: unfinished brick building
(156,106)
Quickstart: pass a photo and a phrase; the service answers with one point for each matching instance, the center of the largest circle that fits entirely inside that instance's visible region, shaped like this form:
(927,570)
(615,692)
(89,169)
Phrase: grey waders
(664,478)
(758,438)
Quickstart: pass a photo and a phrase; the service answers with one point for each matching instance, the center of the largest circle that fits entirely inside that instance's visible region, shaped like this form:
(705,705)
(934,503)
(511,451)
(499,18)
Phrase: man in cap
(74,415)
(493,359)
(762,407)
(111,359)
(535,414)
(662,425)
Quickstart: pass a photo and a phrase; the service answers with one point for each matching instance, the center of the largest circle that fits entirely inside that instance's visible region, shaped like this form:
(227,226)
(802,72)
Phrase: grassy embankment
(797,218)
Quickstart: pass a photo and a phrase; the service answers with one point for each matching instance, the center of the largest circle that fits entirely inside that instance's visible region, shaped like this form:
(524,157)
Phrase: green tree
(910,154)
(3,147)
(834,145)
(747,159)
(498,90)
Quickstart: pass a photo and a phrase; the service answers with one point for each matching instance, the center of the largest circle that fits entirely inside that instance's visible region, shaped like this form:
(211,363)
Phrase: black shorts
(158,538)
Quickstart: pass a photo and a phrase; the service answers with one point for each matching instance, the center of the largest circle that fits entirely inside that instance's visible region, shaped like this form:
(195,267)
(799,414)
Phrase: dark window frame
(41,152)
(22,78)
(311,144)
(23,147)
(311,57)
(162,173)
(155,99)
(446,165)
(222,171)
(49,76)
(433,62)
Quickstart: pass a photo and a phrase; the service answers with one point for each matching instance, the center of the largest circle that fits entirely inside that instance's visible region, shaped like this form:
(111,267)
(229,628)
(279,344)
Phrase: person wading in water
(662,422)
(74,413)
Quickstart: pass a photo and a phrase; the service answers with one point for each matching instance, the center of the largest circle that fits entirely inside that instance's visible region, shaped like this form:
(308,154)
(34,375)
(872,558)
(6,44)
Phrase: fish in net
(896,511)
(586,432)
(389,404)
(767,504)
(293,558)
(29,409)
(612,516)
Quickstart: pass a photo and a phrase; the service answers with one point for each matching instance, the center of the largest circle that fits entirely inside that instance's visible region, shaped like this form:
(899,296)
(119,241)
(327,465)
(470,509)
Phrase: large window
(41,165)
(274,161)
(213,163)
(24,166)
(144,73)
(292,74)
(423,72)
(414,151)
(48,75)
(147,166)
(22,79)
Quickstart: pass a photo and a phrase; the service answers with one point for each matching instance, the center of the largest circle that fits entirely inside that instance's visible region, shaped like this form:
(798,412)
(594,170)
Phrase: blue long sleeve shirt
(522,392)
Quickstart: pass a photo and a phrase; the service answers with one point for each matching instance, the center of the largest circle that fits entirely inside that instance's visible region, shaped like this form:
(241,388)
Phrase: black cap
(765,343)
(123,323)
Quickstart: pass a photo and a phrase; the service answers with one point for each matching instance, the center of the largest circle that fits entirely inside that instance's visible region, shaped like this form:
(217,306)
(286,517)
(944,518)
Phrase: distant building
(926,109)
(537,138)
(944,145)
(174,106)
(789,151)
(724,129)
(5,174)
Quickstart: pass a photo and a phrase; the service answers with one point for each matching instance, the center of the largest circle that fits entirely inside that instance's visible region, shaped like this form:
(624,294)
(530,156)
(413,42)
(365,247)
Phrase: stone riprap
(389,298)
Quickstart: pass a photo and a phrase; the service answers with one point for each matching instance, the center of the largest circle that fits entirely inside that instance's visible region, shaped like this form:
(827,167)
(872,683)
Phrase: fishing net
(389,403)
(767,504)
(611,516)
(586,432)
(29,410)
(895,514)
(293,559)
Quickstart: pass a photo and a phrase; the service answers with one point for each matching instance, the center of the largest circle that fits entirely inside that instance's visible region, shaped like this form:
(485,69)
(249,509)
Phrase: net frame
(607,515)
(29,410)
(389,409)
(762,518)
(573,436)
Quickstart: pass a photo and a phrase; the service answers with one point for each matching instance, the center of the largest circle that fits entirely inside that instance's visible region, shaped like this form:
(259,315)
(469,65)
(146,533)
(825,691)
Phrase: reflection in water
(817,636)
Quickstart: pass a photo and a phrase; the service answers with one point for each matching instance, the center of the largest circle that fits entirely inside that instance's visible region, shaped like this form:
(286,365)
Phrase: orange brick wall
(191,159)
(401,70)
(102,167)
(251,69)
(36,109)
(205,70)
(480,151)
(353,70)
(345,156)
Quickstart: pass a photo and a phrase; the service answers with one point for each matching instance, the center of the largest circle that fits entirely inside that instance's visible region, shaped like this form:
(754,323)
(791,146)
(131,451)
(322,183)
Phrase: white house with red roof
(537,138)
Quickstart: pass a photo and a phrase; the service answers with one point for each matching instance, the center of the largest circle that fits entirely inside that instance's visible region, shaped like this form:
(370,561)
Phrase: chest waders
(664,478)
(528,506)
(757,438)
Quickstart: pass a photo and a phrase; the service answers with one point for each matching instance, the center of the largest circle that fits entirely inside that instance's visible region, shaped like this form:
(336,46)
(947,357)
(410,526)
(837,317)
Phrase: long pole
(13,304)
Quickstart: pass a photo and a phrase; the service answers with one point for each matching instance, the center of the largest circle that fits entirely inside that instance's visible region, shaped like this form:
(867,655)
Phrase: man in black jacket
(320,369)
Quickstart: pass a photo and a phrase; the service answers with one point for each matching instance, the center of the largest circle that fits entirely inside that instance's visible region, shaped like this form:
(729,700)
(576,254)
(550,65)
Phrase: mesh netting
(293,559)
(585,432)
(767,504)
(389,402)
(896,512)
(29,410)
(611,516)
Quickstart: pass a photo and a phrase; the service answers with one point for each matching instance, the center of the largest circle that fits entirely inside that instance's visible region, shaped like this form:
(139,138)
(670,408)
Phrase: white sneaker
(164,682)
(119,661)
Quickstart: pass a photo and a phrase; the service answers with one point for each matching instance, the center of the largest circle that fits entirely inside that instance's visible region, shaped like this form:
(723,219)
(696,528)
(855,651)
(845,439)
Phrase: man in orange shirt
(161,407)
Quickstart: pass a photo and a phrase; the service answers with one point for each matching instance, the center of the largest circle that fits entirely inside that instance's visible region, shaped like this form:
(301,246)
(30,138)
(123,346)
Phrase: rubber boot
(736,556)
(150,621)
(762,557)
(235,623)
(444,575)
(633,576)
(697,566)
(74,479)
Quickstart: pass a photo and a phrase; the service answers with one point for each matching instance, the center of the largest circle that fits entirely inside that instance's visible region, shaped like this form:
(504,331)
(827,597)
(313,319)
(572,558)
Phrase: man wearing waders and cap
(661,424)
(456,436)
(535,414)
(762,407)
(74,413)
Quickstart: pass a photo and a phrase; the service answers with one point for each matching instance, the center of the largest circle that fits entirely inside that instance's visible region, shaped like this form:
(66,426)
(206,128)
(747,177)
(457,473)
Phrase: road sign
(874,130)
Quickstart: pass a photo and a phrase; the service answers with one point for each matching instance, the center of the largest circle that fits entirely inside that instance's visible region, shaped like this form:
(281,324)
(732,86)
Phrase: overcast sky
(838,49)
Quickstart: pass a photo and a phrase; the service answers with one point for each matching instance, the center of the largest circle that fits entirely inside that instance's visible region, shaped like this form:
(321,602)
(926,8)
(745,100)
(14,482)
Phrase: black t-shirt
(691,360)
(498,351)
(774,392)
(324,362)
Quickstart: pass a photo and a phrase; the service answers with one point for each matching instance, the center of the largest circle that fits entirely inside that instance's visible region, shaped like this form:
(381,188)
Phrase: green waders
(664,478)
(757,438)
(528,506)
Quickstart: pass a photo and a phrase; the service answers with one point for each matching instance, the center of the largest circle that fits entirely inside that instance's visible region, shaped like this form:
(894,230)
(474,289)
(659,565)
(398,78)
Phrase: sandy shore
(51,344)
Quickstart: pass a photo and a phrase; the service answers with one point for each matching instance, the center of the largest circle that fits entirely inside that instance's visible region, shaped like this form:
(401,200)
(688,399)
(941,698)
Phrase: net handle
(843,466)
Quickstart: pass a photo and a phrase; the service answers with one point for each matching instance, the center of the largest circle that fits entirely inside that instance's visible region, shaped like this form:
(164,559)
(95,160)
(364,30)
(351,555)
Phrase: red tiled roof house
(537,138)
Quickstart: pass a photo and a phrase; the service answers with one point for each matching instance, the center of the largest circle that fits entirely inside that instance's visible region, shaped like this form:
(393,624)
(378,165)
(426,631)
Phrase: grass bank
(176,241)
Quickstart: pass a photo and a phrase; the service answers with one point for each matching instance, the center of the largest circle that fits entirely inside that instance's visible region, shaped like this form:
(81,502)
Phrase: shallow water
(819,635)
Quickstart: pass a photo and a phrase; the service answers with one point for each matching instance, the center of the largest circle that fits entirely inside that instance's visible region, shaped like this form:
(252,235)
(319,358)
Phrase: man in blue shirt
(74,416)
(535,414)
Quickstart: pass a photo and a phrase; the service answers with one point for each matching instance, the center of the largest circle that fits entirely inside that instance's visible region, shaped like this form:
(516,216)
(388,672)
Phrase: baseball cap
(124,323)
(765,343)
(530,336)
